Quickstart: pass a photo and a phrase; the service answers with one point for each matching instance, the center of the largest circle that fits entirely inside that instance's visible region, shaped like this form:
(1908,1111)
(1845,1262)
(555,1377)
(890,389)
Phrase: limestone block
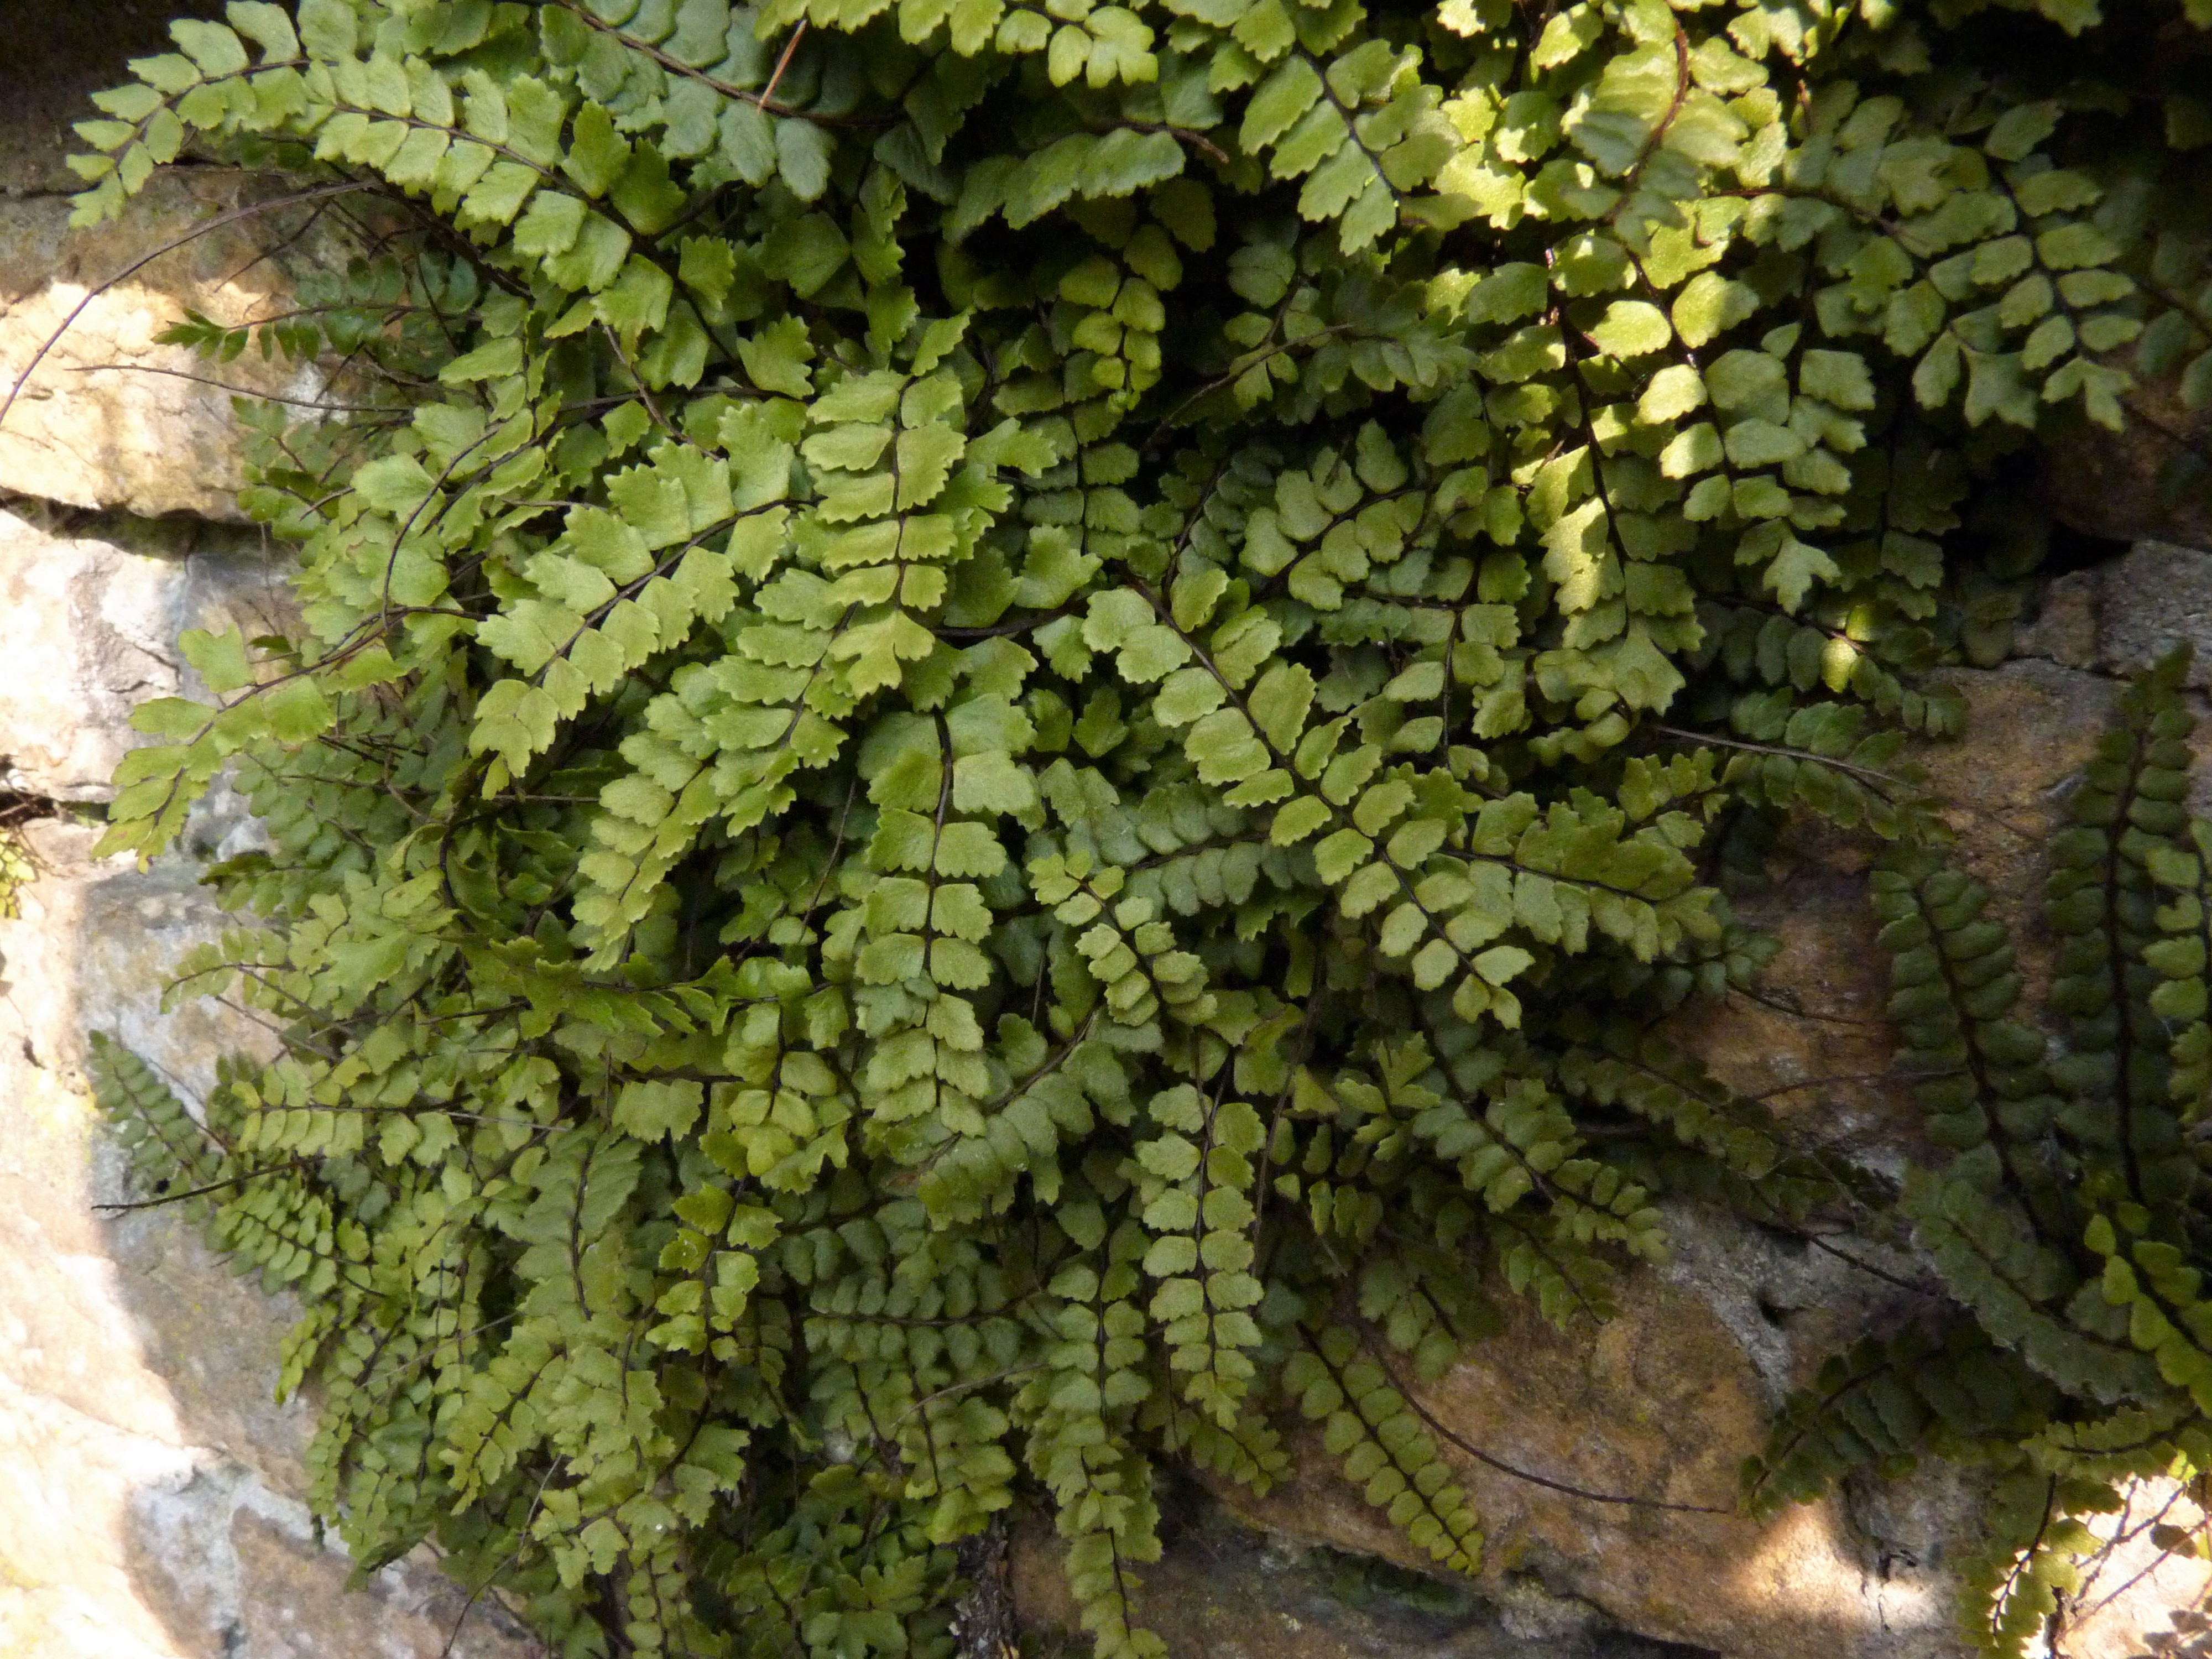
(108,416)
(88,622)
(111,419)
(1603,1465)
(2121,617)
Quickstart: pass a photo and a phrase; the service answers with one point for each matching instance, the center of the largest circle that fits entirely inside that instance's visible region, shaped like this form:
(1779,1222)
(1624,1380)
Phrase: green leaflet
(1007,722)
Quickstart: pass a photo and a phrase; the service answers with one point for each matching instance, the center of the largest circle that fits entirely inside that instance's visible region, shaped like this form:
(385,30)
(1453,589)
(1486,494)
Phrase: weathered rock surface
(121,591)
(1632,1435)
(1228,1591)
(2119,617)
(1812,1040)
(148,1483)
(110,418)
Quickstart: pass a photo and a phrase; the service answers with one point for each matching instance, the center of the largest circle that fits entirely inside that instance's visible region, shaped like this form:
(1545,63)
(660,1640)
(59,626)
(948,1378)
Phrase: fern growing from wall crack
(1007,718)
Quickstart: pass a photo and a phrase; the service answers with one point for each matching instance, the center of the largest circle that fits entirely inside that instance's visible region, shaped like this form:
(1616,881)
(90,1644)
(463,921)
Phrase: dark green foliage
(1007,721)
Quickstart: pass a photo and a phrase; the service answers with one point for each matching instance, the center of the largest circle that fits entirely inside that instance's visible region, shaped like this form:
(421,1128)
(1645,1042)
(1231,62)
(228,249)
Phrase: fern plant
(1007,718)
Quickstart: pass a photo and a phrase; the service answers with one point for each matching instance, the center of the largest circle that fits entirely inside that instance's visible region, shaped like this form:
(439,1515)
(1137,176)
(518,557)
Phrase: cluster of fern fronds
(1007,717)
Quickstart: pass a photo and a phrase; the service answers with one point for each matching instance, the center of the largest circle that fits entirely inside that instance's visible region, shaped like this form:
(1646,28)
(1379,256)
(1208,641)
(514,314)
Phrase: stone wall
(148,1486)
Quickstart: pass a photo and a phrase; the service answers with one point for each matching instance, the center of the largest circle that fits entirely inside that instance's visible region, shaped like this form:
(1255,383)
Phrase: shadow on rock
(1222,1590)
